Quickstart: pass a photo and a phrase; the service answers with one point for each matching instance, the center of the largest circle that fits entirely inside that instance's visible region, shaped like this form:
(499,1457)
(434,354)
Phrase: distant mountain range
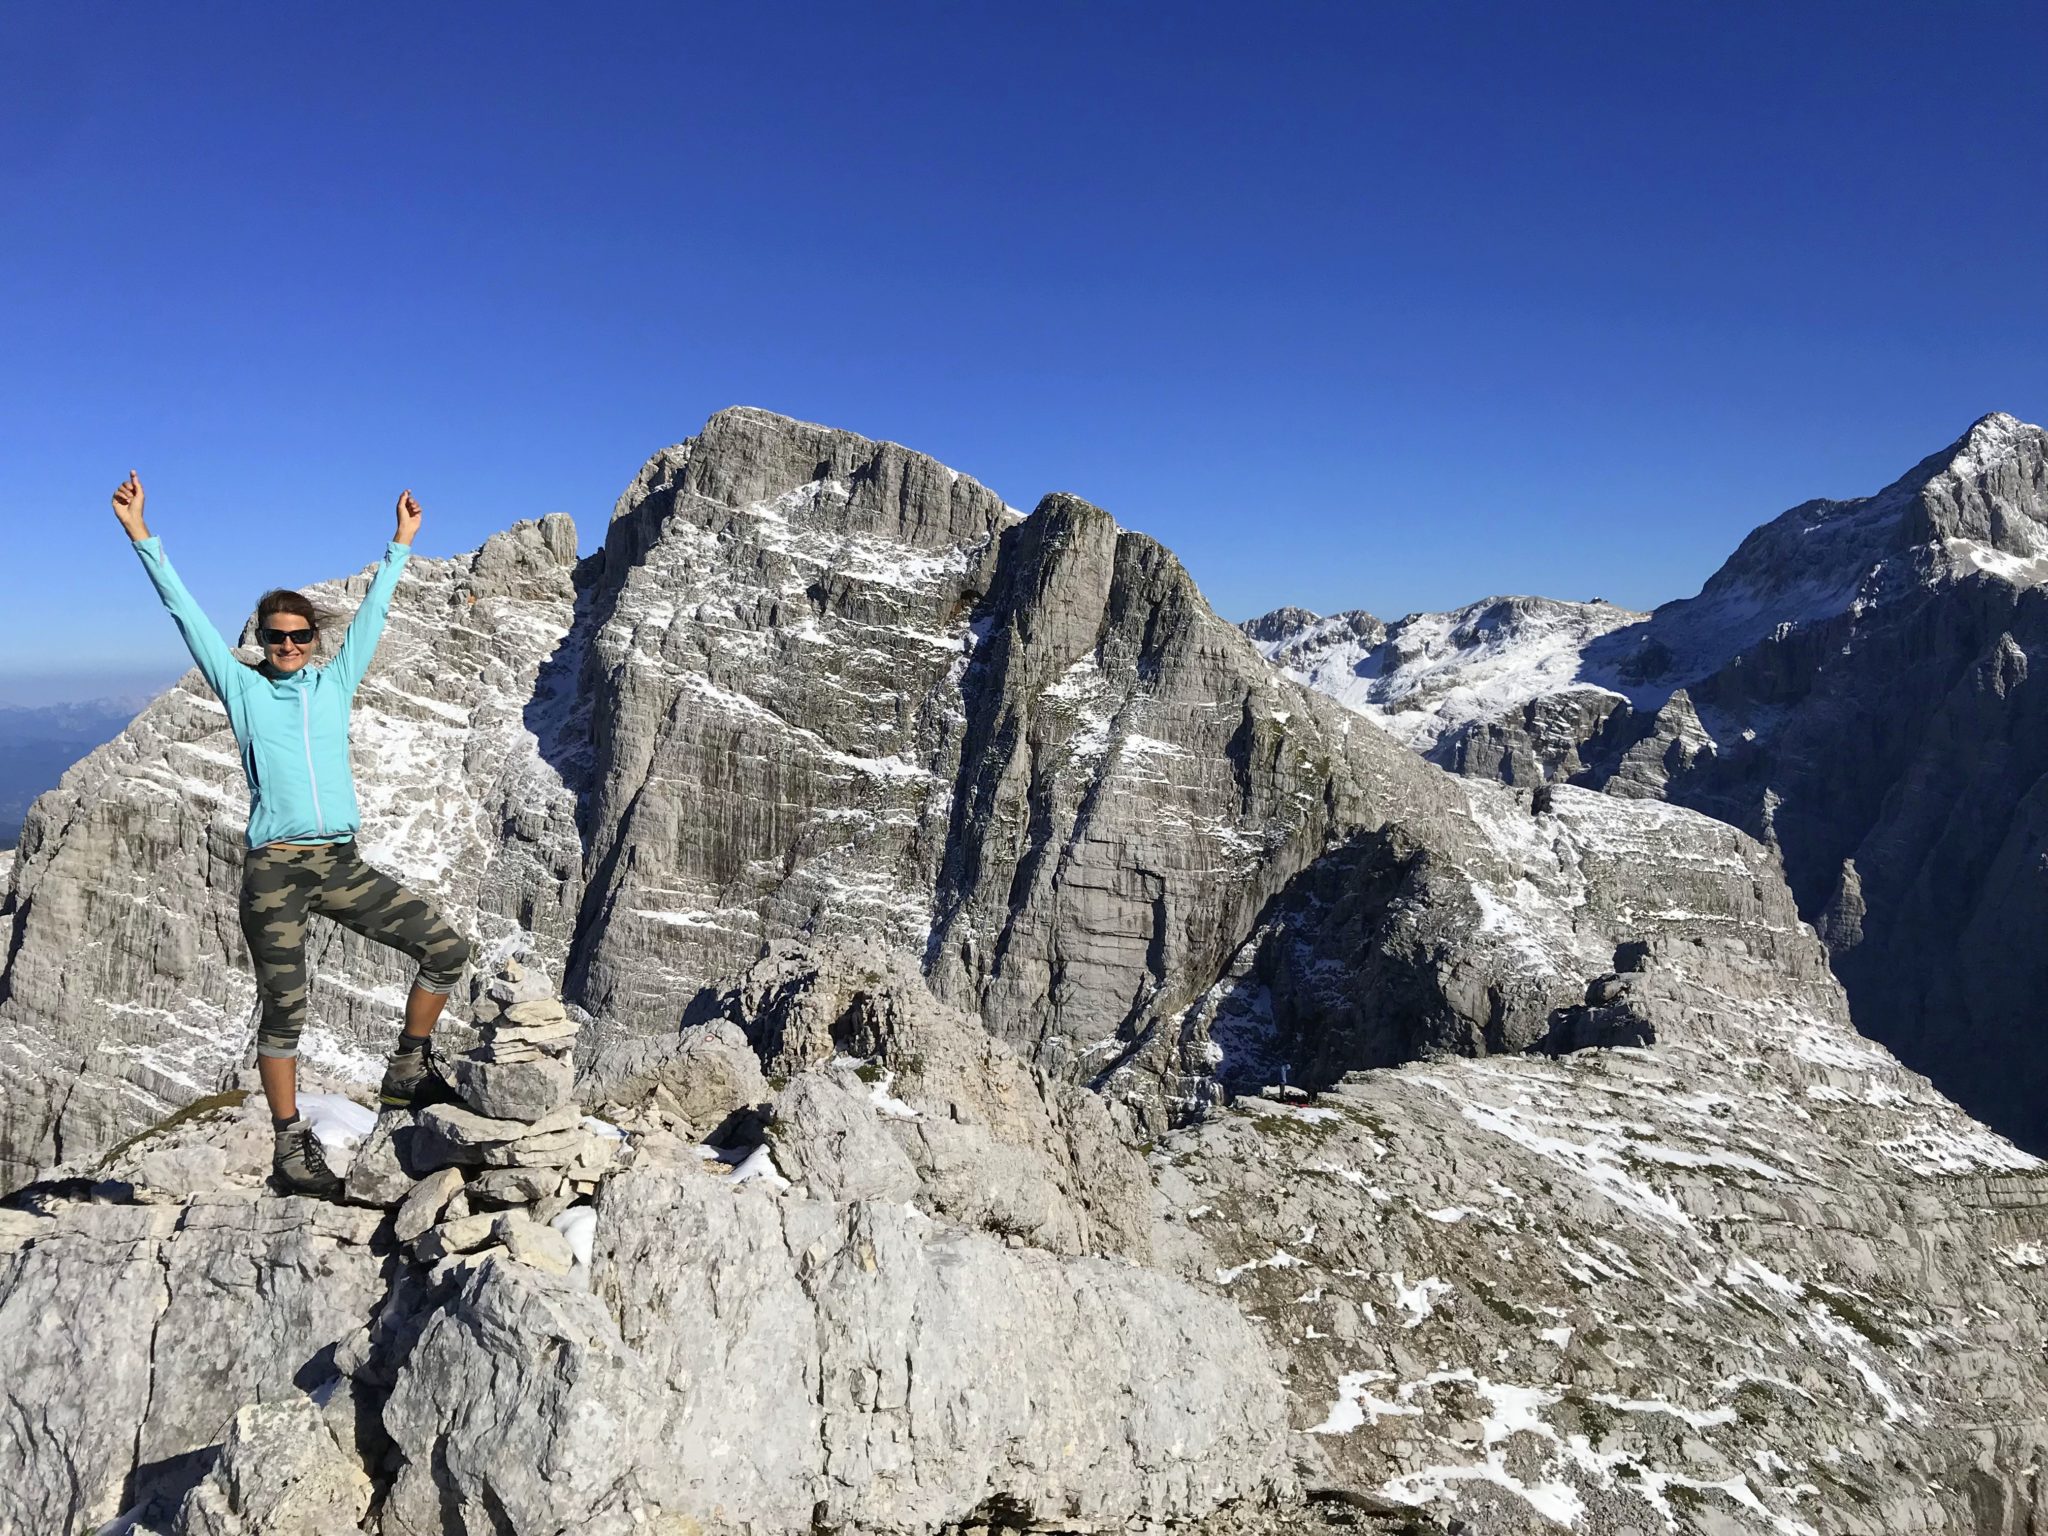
(1856,687)
(37,745)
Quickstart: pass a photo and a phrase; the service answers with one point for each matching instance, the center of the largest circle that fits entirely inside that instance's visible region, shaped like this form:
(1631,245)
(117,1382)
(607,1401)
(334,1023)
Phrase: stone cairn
(489,1176)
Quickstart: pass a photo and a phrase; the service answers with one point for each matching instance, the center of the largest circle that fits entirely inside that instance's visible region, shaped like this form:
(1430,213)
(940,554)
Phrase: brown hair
(283,600)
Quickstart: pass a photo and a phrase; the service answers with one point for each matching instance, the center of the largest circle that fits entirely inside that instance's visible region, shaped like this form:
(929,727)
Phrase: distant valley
(37,745)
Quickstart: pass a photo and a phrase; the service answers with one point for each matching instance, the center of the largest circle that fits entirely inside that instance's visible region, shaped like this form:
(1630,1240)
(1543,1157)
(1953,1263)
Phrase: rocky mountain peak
(527,559)
(745,456)
(1994,436)
(1979,505)
(1987,507)
(1281,624)
(1855,687)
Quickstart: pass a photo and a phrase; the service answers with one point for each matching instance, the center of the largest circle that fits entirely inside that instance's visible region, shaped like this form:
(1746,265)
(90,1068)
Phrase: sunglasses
(299,637)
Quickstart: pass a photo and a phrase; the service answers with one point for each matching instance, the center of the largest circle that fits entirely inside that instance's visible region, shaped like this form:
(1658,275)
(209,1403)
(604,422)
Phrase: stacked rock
(521,1070)
(516,1153)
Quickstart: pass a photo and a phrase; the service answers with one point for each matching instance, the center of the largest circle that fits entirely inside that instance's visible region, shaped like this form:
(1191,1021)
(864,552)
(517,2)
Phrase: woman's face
(287,640)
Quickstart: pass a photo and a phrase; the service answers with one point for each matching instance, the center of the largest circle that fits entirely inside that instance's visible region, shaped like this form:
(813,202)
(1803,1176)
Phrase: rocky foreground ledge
(853,1301)
(1754,1277)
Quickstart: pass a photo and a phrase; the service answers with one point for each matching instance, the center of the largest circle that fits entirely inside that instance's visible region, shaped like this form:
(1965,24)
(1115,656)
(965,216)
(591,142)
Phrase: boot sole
(425,1095)
(283,1186)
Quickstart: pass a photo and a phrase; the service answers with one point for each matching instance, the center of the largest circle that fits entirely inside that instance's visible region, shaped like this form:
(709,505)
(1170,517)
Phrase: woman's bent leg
(373,904)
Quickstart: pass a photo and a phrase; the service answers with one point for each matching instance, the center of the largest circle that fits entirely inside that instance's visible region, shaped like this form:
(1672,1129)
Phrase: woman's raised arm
(223,673)
(367,627)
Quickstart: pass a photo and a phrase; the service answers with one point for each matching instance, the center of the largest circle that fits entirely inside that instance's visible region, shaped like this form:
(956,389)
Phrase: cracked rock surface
(130,1335)
(771,1357)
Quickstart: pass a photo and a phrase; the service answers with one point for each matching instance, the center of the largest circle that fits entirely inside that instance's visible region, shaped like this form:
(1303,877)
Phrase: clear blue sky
(1389,306)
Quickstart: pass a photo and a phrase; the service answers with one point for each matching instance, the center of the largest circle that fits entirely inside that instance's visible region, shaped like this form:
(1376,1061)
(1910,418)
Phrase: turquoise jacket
(293,731)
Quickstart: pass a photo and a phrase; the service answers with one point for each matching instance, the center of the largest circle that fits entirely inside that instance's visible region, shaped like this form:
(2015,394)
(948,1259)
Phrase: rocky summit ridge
(1000,1055)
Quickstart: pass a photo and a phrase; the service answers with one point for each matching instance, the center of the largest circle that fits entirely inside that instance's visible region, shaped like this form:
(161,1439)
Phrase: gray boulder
(830,1139)
(281,1472)
(520,1410)
(513,1090)
(703,1075)
(992,1142)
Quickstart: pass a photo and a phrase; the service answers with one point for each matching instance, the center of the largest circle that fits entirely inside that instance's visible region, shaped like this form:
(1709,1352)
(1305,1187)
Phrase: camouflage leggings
(281,886)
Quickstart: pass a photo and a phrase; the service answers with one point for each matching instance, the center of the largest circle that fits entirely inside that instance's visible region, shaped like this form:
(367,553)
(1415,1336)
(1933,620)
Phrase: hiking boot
(412,1080)
(299,1167)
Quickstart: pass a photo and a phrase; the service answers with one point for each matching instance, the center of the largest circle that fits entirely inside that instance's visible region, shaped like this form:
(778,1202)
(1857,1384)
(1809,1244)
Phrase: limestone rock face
(1547,739)
(1136,788)
(853,1359)
(1164,1393)
(1071,909)
(703,1075)
(832,1141)
(742,1357)
(129,1335)
(1382,952)
(775,655)
(487,1405)
(936,1105)
(1676,746)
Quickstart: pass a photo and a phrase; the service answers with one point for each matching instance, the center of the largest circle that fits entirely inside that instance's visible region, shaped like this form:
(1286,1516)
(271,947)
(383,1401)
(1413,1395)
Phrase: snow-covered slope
(1429,673)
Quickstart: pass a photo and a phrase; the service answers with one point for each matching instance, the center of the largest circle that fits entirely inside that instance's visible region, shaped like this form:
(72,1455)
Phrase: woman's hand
(128,507)
(408,518)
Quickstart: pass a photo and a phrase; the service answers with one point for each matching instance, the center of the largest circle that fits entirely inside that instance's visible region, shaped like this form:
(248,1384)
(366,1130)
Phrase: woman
(291,721)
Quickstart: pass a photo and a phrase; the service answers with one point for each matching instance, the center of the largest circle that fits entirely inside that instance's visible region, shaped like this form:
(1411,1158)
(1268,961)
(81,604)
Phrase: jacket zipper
(306,729)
